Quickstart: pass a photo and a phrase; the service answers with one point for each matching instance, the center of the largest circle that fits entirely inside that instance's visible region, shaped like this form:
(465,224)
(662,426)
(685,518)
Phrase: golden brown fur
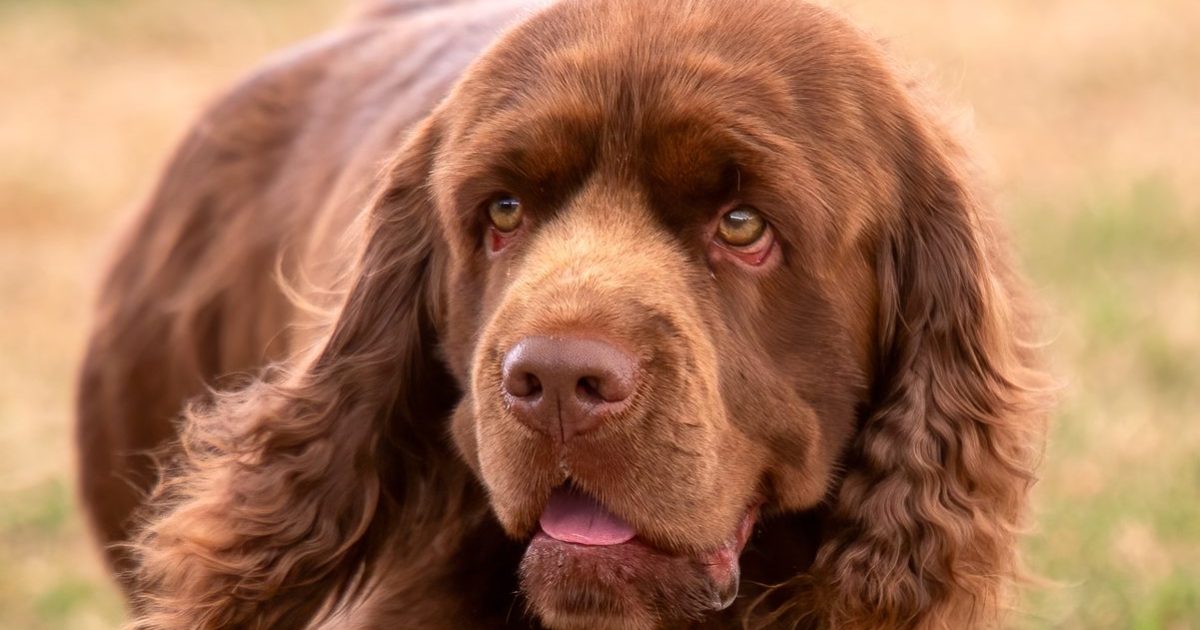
(869,392)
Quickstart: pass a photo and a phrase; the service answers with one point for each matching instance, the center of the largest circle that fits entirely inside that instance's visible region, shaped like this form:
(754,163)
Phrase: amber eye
(741,227)
(505,213)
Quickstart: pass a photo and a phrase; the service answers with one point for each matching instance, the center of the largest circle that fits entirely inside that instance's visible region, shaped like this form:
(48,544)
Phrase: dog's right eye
(742,227)
(505,213)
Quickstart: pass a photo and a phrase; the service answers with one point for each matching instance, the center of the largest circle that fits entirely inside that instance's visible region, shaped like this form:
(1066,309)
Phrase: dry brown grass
(1088,111)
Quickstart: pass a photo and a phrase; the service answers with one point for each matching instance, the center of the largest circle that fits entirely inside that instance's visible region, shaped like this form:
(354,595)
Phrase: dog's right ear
(287,490)
(925,524)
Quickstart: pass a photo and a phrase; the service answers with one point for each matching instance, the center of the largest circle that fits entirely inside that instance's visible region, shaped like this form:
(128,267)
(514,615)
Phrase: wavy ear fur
(924,525)
(280,499)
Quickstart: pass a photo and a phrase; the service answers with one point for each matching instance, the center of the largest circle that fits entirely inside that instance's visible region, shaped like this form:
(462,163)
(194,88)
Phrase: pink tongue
(575,517)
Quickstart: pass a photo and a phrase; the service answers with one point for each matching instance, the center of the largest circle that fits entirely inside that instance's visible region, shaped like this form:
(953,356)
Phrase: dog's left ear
(924,526)
(289,489)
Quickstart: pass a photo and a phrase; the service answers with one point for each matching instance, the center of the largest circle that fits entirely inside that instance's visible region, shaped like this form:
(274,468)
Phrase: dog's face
(662,298)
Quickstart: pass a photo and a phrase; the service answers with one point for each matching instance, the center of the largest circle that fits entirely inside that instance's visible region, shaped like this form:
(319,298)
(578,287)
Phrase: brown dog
(653,314)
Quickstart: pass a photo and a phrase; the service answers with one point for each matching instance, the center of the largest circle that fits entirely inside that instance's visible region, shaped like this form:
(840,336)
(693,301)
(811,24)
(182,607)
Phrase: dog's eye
(741,227)
(505,213)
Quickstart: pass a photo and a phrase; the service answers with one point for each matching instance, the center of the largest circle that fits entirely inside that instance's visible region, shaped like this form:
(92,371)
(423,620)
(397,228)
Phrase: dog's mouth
(586,564)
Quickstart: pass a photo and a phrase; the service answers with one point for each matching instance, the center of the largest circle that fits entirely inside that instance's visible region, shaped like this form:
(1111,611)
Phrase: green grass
(48,576)
(1087,110)
(1119,506)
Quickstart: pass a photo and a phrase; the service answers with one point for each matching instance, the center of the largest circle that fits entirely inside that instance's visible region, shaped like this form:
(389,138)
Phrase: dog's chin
(628,584)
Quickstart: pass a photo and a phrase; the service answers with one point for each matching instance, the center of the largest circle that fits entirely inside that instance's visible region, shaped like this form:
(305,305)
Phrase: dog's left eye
(505,213)
(742,227)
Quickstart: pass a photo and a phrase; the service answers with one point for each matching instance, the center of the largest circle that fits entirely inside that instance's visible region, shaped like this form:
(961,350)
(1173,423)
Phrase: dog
(598,314)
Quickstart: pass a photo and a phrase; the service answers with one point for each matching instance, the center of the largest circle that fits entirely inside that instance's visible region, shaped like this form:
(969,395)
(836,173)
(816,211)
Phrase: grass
(1087,115)
(1121,496)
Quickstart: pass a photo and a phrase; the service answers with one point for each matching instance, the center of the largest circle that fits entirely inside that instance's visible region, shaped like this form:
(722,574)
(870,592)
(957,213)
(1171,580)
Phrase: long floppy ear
(286,490)
(924,526)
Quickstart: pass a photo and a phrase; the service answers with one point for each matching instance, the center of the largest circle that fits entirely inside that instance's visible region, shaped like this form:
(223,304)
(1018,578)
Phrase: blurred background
(1087,116)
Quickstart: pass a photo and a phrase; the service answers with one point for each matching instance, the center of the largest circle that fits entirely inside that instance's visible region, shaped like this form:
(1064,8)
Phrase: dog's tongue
(575,517)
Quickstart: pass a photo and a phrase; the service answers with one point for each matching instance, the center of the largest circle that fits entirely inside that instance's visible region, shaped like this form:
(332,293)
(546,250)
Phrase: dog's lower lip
(721,565)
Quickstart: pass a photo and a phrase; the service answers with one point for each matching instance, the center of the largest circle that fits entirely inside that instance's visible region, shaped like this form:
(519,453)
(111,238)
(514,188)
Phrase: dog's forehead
(683,159)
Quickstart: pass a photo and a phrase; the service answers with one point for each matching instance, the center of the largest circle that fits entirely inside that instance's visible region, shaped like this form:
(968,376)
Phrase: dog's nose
(567,386)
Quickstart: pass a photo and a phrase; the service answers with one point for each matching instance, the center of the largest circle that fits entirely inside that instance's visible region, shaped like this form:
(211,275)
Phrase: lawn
(1088,118)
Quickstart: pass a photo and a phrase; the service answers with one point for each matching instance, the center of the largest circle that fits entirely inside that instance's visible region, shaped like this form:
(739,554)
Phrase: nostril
(523,385)
(535,386)
(588,388)
(612,388)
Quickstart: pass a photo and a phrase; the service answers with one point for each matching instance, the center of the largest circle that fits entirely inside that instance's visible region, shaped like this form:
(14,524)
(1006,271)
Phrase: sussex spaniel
(635,315)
